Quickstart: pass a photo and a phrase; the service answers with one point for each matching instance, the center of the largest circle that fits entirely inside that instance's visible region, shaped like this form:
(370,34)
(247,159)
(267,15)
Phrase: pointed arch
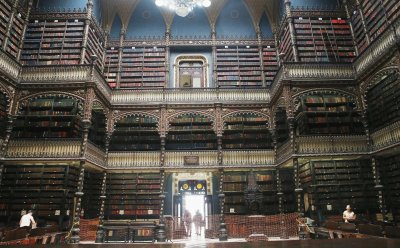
(196,24)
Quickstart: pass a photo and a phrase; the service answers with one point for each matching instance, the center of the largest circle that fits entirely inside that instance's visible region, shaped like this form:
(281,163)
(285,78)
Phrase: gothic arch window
(191,71)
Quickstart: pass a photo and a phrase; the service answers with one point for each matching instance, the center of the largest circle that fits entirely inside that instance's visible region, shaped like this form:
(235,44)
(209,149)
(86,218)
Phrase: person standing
(198,220)
(348,214)
(187,218)
(27,220)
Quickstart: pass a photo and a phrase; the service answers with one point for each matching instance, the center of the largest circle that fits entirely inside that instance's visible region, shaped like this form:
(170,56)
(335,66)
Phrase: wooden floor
(335,243)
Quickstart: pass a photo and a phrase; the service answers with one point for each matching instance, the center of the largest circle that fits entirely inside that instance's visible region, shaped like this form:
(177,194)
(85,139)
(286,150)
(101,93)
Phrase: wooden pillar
(26,21)
(9,128)
(379,187)
(348,15)
(100,230)
(89,7)
(75,231)
(160,233)
(291,30)
(223,234)
(1,171)
(219,130)
(10,23)
(298,189)
(359,9)
(163,133)
(120,53)
(260,54)
(167,58)
(214,56)
(279,191)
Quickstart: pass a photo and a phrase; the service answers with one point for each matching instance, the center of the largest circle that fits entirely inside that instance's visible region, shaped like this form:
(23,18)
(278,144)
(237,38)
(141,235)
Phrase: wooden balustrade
(248,158)
(44,148)
(191,158)
(331,144)
(284,151)
(95,155)
(386,136)
(133,159)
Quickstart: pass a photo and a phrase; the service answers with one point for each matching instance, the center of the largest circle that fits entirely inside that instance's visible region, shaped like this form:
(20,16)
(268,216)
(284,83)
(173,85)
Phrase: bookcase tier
(246,127)
(135,133)
(327,114)
(48,117)
(389,171)
(97,130)
(383,101)
(338,183)
(3,115)
(235,183)
(92,186)
(48,190)
(138,67)
(133,196)
(190,132)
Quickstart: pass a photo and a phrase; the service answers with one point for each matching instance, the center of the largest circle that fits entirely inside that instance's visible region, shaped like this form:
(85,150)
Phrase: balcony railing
(133,159)
(9,66)
(44,148)
(191,158)
(386,136)
(284,151)
(251,158)
(95,155)
(195,95)
(331,144)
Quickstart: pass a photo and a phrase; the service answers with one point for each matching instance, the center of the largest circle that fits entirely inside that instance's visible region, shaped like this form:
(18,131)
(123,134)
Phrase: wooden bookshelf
(359,33)
(374,16)
(92,186)
(238,66)
(235,183)
(3,114)
(281,126)
(383,100)
(53,42)
(327,114)
(49,117)
(389,171)
(5,14)
(270,62)
(135,133)
(321,39)
(46,189)
(16,33)
(246,131)
(287,188)
(191,132)
(97,130)
(95,45)
(133,196)
(338,183)
(143,67)
(111,66)
(285,44)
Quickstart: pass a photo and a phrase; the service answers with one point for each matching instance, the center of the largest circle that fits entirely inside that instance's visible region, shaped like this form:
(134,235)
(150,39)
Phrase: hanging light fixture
(183,7)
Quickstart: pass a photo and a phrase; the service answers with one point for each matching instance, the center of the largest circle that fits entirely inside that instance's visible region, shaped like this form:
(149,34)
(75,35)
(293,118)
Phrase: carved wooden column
(223,234)
(75,239)
(21,42)
(275,31)
(348,16)
(214,56)
(379,187)
(291,30)
(1,170)
(100,231)
(219,130)
(260,53)
(298,190)
(120,52)
(167,57)
(160,233)
(9,128)
(106,36)
(287,94)
(364,23)
(163,126)
(10,23)
(89,9)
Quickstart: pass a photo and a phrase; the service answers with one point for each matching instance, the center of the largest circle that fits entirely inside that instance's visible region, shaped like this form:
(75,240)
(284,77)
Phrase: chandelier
(182,7)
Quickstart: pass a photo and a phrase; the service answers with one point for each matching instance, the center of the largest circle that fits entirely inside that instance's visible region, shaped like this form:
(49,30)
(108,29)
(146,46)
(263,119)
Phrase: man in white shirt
(348,215)
(27,220)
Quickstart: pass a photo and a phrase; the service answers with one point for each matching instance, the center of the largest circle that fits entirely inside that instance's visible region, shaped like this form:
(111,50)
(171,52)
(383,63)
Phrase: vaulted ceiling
(125,8)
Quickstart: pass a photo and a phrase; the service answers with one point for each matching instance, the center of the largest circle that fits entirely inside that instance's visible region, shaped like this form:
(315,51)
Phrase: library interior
(211,123)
